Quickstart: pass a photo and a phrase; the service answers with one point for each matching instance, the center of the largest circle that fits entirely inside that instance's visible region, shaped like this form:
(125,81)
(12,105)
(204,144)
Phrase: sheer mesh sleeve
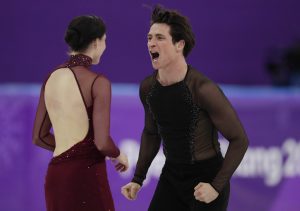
(101,117)
(227,122)
(41,130)
(150,140)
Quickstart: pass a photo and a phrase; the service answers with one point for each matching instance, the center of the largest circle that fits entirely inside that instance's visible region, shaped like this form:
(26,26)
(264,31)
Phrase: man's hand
(130,190)
(205,192)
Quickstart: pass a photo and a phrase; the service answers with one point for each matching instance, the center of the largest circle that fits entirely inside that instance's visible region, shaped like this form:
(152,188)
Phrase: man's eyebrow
(156,35)
(159,35)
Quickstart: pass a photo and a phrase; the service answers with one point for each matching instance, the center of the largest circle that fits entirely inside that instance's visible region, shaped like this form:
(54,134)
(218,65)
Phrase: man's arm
(150,141)
(227,122)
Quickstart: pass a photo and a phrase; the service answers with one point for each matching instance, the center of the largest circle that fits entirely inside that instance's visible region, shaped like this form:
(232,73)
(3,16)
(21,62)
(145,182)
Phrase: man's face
(161,48)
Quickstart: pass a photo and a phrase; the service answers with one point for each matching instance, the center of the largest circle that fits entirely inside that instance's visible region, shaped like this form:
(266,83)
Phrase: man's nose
(151,43)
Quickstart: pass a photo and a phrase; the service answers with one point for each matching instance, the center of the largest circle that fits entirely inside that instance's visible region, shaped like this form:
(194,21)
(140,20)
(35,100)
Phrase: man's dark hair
(83,30)
(180,28)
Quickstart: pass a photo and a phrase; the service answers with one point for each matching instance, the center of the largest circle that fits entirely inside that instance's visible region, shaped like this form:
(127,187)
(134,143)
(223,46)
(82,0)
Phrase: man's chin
(155,65)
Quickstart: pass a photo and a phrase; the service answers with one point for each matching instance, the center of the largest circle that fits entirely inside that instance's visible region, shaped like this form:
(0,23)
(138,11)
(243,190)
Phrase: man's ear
(180,45)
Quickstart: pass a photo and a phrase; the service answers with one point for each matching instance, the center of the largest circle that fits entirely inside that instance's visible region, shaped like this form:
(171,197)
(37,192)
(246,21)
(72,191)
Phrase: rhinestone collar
(79,60)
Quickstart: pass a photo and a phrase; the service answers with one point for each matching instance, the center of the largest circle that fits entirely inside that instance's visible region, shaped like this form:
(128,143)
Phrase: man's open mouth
(154,56)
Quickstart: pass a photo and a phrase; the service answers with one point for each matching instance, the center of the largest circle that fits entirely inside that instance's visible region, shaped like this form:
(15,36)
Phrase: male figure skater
(186,110)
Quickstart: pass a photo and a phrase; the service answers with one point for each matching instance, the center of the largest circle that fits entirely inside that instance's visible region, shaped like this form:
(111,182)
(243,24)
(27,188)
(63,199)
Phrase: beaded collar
(79,60)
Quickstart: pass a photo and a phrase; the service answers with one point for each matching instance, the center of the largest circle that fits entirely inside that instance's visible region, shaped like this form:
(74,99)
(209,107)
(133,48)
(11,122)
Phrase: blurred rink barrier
(268,179)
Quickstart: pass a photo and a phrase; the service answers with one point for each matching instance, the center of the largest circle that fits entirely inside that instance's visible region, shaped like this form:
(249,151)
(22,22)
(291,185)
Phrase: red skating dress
(77,179)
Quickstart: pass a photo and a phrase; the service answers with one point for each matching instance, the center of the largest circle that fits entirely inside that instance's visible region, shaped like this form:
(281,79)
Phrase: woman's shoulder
(101,81)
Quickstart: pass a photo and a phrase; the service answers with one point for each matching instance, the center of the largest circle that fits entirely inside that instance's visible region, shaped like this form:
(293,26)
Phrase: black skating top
(187,116)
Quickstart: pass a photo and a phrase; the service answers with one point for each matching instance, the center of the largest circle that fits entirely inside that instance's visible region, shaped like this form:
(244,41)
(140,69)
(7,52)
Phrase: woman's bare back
(66,97)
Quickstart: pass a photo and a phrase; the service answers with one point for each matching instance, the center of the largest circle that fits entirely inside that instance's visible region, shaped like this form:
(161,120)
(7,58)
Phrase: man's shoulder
(201,83)
(147,81)
(148,78)
(198,77)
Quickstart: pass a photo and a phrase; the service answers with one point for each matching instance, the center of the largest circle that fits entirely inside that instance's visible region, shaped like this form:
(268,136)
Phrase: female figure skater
(76,102)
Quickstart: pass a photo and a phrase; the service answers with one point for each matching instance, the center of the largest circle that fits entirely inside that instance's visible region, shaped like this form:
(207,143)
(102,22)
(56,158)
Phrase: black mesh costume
(187,116)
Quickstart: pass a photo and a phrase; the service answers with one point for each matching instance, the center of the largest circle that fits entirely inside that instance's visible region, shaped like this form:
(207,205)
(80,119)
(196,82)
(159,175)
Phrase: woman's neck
(87,53)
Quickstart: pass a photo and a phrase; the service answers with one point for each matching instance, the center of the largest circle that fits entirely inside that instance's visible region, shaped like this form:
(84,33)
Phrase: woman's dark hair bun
(83,30)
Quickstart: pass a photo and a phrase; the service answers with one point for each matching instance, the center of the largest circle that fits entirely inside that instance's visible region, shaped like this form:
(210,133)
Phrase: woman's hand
(121,162)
